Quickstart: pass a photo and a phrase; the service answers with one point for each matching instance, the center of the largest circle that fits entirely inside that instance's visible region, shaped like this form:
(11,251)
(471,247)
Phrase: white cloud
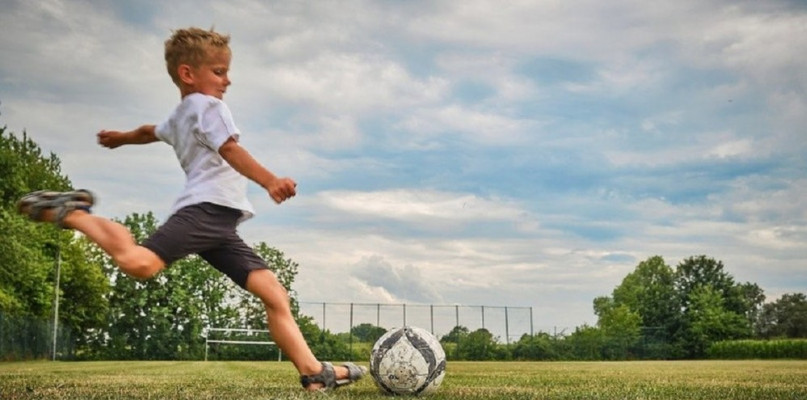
(428,153)
(422,206)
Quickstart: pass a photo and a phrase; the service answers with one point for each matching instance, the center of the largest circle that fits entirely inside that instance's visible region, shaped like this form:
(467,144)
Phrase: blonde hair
(192,46)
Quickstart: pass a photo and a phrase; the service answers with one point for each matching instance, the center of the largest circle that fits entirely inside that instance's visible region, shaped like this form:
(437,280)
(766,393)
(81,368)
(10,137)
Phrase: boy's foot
(49,206)
(327,377)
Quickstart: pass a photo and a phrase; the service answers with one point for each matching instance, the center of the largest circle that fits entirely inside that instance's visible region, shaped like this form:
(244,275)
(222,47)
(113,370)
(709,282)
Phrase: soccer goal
(229,331)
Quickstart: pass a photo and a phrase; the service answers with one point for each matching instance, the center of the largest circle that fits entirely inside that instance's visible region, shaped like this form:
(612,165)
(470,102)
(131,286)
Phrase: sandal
(327,376)
(62,203)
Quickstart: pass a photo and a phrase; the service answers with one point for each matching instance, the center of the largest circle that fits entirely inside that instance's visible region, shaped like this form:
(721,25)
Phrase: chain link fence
(505,323)
(24,338)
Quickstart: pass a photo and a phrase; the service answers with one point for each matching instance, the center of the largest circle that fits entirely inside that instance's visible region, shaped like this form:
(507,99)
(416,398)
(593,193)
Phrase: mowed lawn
(708,380)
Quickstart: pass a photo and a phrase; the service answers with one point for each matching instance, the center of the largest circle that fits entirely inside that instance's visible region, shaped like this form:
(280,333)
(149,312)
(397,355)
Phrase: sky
(521,154)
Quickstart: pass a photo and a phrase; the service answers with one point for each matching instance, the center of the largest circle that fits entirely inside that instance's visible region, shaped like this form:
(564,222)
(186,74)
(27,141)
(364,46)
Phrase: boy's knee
(139,264)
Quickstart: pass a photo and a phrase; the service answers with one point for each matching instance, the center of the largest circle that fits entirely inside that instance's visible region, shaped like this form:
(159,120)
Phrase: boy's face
(210,77)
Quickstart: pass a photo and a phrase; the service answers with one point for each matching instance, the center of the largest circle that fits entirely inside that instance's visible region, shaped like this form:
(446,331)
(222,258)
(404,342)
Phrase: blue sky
(522,153)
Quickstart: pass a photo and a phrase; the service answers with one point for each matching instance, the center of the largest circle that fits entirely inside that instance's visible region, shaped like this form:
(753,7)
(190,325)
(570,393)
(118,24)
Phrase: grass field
(707,380)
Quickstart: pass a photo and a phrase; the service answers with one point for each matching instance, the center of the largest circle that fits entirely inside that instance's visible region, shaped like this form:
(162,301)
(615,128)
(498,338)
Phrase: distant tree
(709,321)
(585,343)
(678,310)
(367,332)
(620,328)
(457,334)
(479,345)
(540,347)
(784,318)
(323,343)
(650,291)
(710,297)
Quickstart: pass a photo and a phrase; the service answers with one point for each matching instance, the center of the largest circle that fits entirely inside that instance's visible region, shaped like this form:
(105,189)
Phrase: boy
(204,217)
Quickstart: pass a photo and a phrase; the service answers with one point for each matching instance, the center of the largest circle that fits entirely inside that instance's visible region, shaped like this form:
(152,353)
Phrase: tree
(786,317)
(620,327)
(28,251)
(585,343)
(648,293)
(367,332)
(540,346)
(709,321)
(709,297)
(479,345)
(456,334)
(163,317)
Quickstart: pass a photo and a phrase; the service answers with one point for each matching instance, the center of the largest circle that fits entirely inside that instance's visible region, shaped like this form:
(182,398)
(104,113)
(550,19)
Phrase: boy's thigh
(193,230)
(235,259)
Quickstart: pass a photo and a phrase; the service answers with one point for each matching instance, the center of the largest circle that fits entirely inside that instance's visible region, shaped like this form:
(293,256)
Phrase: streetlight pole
(56,298)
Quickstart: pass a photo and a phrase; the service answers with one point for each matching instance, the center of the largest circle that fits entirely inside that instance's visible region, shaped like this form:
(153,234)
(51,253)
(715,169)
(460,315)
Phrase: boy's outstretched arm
(280,189)
(142,135)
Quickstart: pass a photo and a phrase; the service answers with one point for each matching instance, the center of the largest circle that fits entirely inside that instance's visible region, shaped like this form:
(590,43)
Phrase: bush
(759,349)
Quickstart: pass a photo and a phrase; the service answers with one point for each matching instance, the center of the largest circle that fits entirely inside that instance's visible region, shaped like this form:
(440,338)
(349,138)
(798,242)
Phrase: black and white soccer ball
(407,360)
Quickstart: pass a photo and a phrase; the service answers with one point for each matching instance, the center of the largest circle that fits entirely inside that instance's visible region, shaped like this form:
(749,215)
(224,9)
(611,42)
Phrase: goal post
(209,341)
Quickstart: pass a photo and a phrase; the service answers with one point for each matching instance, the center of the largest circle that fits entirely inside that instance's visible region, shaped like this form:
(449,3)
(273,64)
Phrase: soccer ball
(407,360)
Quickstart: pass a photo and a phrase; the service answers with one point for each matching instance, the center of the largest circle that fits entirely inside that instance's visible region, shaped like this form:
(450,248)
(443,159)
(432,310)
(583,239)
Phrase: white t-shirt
(196,130)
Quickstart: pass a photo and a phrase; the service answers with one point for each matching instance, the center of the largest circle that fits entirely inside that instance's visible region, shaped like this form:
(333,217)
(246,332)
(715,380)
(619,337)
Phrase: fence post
(350,332)
(431,316)
(56,298)
(506,326)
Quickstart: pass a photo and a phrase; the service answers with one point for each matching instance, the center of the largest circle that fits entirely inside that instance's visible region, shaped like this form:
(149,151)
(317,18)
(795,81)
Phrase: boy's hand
(109,139)
(282,189)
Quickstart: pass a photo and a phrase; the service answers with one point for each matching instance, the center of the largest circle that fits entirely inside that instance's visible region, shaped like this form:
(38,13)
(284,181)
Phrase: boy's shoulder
(201,99)
(198,103)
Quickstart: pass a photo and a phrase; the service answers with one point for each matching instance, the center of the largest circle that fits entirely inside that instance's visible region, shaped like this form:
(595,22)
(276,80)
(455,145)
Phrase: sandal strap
(355,372)
(327,376)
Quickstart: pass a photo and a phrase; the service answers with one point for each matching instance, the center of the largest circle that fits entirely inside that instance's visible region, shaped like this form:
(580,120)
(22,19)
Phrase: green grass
(712,380)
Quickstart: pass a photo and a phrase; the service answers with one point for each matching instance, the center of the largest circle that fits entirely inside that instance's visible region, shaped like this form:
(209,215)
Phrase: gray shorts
(208,230)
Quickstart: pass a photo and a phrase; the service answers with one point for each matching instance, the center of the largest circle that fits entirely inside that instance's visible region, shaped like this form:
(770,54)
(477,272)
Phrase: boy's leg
(284,329)
(71,210)
(115,240)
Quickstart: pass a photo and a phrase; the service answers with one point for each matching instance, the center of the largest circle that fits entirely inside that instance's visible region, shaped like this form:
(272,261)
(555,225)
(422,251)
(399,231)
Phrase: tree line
(656,312)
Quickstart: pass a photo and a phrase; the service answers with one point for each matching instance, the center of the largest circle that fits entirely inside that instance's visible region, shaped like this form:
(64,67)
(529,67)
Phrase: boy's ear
(185,73)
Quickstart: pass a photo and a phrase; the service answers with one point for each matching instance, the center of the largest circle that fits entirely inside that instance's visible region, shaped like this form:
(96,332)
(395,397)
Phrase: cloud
(404,284)
(521,153)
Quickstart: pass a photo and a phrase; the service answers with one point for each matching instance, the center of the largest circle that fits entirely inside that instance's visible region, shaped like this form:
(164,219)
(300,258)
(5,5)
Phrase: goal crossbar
(208,341)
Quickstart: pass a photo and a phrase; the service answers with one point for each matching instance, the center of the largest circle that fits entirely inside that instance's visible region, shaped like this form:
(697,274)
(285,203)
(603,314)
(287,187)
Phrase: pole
(506,326)
(350,331)
(56,298)
(431,316)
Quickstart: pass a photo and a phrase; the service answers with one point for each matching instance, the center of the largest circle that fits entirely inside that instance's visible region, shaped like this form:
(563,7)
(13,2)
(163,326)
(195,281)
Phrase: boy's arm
(280,189)
(142,135)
